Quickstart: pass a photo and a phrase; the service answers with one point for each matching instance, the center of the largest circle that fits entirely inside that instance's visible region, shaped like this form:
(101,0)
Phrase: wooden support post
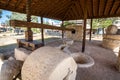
(90,30)
(62,30)
(42,31)
(84,27)
(28,33)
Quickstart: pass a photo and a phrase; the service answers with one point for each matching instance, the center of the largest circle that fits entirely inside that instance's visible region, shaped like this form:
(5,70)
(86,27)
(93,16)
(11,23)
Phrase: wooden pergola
(64,10)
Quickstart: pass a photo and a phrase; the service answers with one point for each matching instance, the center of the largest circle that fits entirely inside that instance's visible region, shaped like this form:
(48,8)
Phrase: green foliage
(102,23)
(19,16)
(66,23)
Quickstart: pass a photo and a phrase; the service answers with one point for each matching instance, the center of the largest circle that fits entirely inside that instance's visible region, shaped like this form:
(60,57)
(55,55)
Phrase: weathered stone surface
(111,41)
(9,69)
(49,63)
(83,60)
(112,29)
(118,62)
(78,34)
(21,53)
(114,37)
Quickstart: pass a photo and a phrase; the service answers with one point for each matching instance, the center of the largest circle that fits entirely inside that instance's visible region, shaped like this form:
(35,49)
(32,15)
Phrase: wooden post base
(30,45)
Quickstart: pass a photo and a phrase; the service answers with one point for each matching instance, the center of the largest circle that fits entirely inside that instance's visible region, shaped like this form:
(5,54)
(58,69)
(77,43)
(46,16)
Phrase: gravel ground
(105,59)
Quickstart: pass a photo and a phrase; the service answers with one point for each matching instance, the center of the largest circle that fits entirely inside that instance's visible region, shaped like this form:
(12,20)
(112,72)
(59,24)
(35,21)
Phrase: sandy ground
(105,59)
(9,41)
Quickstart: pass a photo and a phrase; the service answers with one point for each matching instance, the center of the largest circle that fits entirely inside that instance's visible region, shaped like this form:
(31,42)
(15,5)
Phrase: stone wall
(77,36)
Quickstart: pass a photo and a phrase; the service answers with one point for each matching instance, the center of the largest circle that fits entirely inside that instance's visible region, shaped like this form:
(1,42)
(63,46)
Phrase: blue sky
(4,18)
(4,13)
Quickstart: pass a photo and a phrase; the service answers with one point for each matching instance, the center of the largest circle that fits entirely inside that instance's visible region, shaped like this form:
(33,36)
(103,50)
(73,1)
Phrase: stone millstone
(112,29)
(49,63)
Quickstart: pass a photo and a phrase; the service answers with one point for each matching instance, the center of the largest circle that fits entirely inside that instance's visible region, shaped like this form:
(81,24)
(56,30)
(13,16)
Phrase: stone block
(77,36)
(21,53)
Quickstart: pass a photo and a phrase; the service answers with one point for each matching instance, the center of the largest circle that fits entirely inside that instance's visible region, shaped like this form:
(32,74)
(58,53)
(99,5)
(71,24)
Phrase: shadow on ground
(10,48)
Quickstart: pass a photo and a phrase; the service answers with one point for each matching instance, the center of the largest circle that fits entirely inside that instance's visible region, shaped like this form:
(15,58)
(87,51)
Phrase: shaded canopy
(65,9)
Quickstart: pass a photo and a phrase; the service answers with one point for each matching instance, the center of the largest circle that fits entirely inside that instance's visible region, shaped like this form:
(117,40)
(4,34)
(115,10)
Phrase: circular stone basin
(68,41)
(83,60)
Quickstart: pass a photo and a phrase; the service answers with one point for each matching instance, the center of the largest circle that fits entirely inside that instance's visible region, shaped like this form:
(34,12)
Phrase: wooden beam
(42,32)
(90,30)
(84,27)
(18,23)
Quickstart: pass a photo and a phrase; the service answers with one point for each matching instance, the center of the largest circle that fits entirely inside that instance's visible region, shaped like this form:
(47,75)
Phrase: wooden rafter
(105,1)
(108,7)
(115,7)
(118,11)
(111,7)
(98,7)
(18,3)
(67,11)
(62,9)
(7,3)
(101,7)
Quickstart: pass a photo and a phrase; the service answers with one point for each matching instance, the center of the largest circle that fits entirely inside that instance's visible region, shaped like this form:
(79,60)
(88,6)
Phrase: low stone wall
(78,34)
(111,41)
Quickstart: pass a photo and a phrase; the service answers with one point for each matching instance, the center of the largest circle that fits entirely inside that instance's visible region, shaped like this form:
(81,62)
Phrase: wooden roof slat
(118,11)
(62,10)
(108,7)
(90,8)
(7,2)
(17,4)
(105,3)
(95,6)
(111,6)
(101,7)
(114,8)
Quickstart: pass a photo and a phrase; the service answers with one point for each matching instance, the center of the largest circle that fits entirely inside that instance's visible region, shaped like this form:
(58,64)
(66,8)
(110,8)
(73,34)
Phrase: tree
(19,16)
(66,23)
(102,23)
